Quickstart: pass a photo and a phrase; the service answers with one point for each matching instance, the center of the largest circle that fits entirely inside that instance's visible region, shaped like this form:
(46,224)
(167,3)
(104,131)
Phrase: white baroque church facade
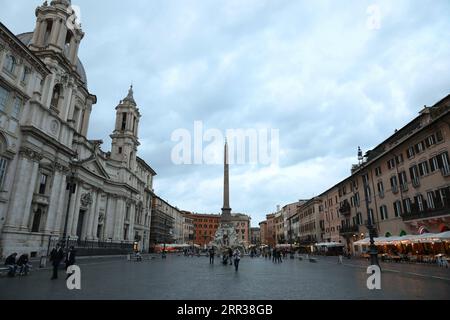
(54,182)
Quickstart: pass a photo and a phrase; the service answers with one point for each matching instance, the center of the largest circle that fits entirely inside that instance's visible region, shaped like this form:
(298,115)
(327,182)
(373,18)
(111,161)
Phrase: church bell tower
(125,136)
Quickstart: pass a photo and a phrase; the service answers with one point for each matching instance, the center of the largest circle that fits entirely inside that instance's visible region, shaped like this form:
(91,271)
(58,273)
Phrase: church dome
(26,40)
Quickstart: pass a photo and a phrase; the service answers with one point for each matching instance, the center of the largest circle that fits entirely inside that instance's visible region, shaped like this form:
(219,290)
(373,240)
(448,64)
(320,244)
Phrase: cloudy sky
(329,75)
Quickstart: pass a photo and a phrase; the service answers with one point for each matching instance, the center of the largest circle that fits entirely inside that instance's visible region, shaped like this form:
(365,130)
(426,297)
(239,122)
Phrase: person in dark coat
(23,264)
(211,256)
(70,258)
(230,256)
(10,262)
(56,256)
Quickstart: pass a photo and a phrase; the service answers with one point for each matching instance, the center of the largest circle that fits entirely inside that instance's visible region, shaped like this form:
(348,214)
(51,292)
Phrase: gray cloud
(313,70)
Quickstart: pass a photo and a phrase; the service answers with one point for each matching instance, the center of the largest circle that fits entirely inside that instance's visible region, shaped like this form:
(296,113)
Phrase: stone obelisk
(226,210)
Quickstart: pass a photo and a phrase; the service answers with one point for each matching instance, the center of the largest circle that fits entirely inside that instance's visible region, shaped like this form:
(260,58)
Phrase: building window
(17,107)
(430,197)
(423,168)
(402,178)
(10,63)
(380,187)
(120,150)
(43,184)
(371,217)
(434,164)
(399,158)
(397,209)
(36,221)
(383,212)
(4,95)
(431,140)
(410,153)
(3,167)
(391,164)
(407,205)
(25,74)
(359,219)
(57,92)
(419,147)
(124,121)
(419,202)
(378,171)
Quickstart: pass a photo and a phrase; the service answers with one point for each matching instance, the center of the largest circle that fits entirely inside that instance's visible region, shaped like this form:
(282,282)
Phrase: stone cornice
(47,139)
(31,154)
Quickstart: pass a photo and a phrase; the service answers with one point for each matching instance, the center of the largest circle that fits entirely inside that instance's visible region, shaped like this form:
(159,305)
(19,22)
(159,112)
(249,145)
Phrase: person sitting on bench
(23,264)
(10,262)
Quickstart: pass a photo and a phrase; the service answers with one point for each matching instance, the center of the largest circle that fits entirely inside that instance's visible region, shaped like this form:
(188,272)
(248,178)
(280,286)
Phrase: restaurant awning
(419,238)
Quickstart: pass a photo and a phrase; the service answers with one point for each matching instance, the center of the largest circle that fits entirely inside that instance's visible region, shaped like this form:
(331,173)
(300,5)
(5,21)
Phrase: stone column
(74,211)
(73,51)
(29,195)
(54,202)
(132,219)
(20,191)
(92,214)
(109,217)
(67,102)
(61,210)
(85,123)
(96,216)
(49,91)
(62,34)
(119,219)
(41,35)
(55,30)
(36,32)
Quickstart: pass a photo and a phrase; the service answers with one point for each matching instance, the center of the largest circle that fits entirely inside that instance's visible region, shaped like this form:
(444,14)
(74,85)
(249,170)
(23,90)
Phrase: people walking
(237,259)
(10,262)
(70,258)
(56,256)
(211,255)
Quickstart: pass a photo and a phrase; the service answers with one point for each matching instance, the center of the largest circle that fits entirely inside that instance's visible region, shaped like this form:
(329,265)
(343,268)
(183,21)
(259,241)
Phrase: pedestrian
(10,262)
(237,258)
(23,264)
(230,256)
(70,258)
(211,255)
(274,255)
(340,259)
(56,256)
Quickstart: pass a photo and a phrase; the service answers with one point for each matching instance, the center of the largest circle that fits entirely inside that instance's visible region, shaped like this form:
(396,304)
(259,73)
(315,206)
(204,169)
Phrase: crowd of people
(20,265)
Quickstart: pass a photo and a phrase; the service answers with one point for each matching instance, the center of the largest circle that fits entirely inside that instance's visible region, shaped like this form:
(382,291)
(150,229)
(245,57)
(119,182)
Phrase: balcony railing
(349,230)
(345,209)
(416,182)
(439,210)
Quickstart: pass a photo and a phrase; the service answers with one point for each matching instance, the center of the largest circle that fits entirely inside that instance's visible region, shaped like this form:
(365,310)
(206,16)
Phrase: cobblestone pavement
(193,278)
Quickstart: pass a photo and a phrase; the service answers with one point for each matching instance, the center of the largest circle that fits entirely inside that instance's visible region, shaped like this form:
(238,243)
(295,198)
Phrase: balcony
(345,208)
(441,209)
(349,230)
(416,182)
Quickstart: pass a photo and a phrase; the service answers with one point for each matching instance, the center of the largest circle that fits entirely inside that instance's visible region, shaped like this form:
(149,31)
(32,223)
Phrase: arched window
(10,63)
(57,92)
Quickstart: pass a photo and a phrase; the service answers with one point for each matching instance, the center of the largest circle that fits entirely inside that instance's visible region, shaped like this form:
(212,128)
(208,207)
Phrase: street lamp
(373,252)
(71,187)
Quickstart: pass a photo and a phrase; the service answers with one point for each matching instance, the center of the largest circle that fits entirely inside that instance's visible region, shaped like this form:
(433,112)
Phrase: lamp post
(372,231)
(71,186)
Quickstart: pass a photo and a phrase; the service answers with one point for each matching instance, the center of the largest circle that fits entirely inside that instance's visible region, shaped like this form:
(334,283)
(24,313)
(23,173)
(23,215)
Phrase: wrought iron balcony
(440,209)
(345,208)
(349,230)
